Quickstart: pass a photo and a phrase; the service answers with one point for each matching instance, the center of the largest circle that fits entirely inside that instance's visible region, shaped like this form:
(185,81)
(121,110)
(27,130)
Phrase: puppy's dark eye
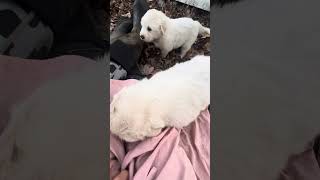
(149,29)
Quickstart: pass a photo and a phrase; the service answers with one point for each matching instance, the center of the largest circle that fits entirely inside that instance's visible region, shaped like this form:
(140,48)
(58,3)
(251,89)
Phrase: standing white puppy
(171,98)
(168,34)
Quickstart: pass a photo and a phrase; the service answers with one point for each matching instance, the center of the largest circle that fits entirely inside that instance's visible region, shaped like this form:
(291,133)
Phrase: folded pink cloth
(174,154)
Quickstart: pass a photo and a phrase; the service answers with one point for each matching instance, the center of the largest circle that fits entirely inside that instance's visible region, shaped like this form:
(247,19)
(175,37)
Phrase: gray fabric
(117,72)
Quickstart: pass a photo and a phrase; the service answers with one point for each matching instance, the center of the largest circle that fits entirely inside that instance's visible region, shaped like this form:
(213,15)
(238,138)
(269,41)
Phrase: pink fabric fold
(174,154)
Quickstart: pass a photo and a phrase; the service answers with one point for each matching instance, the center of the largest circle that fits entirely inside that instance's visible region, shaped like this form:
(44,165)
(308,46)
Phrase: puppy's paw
(164,54)
(182,55)
(184,51)
(165,51)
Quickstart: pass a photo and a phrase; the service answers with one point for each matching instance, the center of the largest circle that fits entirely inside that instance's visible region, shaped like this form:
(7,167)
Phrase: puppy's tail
(204,31)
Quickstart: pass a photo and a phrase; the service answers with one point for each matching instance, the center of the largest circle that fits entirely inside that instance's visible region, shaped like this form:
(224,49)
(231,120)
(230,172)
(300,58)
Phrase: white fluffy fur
(171,98)
(168,34)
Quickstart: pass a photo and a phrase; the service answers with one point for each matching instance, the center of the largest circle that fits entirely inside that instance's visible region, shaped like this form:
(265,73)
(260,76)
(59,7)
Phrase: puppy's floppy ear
(162,29)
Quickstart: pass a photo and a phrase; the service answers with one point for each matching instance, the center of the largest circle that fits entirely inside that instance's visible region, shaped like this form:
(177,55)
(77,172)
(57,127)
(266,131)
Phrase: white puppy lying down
(168,34)
(171,98)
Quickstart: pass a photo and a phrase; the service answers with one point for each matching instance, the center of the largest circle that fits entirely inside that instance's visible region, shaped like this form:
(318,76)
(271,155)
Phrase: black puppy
(121,29)
(126,46)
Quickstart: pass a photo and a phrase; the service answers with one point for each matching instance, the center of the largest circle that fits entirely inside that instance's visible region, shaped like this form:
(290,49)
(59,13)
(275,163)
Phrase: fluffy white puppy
(171,98)
(168,34)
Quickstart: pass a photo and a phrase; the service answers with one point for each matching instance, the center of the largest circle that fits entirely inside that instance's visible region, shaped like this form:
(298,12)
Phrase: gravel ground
(151,55)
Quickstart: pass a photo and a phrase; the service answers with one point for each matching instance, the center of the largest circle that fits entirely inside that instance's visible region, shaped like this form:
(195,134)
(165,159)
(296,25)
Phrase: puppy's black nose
(142,37)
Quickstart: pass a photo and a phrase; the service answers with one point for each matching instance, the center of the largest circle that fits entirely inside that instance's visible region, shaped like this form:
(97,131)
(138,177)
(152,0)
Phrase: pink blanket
(174,154)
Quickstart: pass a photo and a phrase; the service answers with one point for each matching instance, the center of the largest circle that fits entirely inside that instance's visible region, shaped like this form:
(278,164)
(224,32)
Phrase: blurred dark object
(86,34)
(23,35)
(303,166)
(57,13)
(222,2)
(126,46)
(41,29)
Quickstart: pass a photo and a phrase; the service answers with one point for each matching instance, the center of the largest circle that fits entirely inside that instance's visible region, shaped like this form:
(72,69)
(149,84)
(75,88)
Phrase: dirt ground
(151,55)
